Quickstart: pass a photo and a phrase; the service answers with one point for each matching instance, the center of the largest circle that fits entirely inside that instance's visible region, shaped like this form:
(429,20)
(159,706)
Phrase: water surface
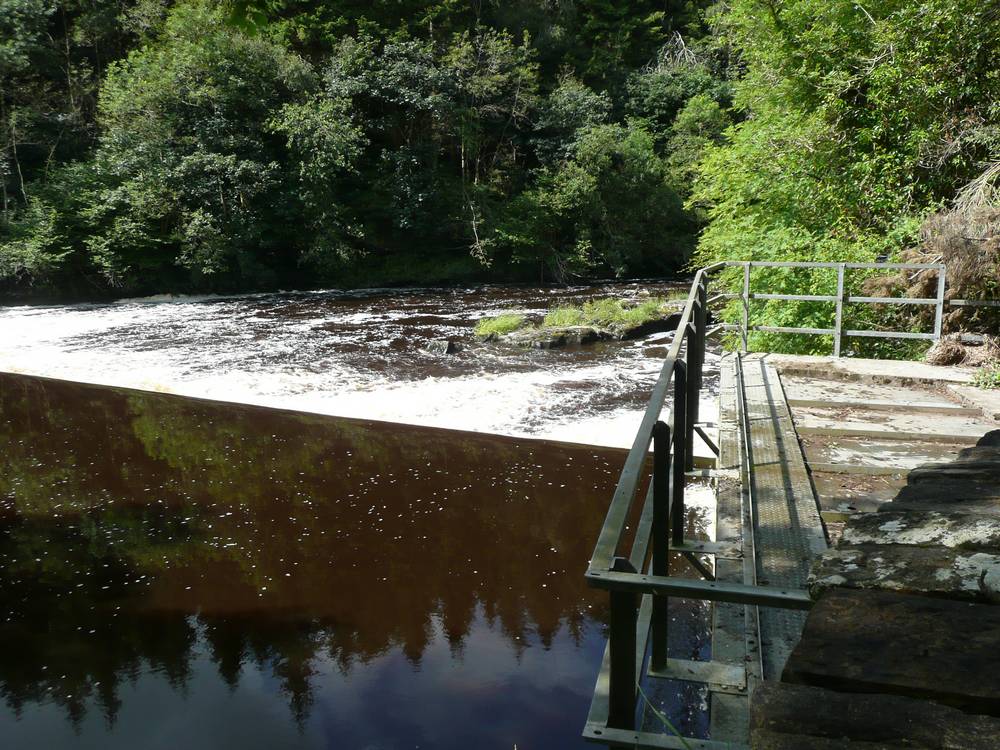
(185,573)
(356,354)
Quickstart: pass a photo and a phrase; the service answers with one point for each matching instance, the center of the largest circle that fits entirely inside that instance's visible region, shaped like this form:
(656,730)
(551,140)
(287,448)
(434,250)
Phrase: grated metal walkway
(787,529)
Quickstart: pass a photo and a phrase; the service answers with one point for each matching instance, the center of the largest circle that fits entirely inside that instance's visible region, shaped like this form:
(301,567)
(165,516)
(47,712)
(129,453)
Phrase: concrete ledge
(930,571)
(867,370)
(781,712)
(914,646)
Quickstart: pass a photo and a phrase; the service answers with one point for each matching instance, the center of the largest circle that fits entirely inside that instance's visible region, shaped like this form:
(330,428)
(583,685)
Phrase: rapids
(355,354)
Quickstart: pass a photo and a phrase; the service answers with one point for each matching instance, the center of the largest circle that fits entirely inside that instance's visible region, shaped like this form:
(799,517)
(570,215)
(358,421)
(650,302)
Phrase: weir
(772,527)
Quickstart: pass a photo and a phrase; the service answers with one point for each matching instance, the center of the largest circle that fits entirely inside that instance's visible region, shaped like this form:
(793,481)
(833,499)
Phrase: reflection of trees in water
(292,537)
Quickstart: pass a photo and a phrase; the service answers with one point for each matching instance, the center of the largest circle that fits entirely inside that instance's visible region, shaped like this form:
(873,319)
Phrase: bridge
(806,452)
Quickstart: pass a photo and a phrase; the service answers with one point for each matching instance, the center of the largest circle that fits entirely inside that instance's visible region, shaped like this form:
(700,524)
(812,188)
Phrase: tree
(858,122)
(608,208)
(213,145)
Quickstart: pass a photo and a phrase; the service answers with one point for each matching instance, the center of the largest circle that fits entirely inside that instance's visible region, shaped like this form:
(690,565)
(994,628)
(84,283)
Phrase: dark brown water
(182,573)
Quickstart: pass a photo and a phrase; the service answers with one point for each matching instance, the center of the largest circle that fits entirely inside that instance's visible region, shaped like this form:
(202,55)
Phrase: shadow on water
(177,572)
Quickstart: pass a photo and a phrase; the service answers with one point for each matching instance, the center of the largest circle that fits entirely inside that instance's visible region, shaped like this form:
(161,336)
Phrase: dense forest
(152,146)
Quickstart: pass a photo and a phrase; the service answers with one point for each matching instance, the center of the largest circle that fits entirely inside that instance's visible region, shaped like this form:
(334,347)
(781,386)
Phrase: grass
(607,313)
(499,325)
(988,375)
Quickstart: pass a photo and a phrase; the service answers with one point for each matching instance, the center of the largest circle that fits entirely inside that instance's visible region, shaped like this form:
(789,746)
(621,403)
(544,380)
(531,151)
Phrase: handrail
(625,491)
(627,575)
(628,482)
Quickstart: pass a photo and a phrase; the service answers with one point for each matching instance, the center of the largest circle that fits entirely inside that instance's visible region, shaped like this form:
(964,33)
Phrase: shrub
(988,376)
(607,313)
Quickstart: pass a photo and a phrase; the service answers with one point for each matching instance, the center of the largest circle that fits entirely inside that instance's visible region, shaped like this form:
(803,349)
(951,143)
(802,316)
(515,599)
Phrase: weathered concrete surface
(873,456)
(966,531)
(986,401)
(765,740)
(884,425)
(948,495)
(854,493)
(932,571)
(878,371)
(811,391)
(780,710)
(915,646)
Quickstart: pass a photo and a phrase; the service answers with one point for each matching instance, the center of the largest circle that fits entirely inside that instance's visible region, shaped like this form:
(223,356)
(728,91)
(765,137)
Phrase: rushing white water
(352,354)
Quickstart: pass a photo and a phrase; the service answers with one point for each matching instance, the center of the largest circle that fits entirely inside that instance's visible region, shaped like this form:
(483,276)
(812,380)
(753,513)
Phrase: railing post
(939,309)
(746,304)
(682,457)
(698,350)
(621,661)
(661,540)
(838,327)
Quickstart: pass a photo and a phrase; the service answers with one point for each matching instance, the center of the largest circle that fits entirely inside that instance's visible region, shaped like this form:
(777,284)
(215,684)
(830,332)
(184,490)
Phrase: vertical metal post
(939,309)
(682,457)
(659,621)
(838,326)
(622,647)
(696,360)
(746,304)
(690,395)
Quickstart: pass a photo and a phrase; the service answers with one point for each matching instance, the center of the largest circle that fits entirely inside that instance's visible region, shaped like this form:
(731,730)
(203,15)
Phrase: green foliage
(859,121)
(570,108)
(499,325)
(608,207)
(611,312)
(33,246)
(657,95)
(151,146)
(988,375)
(197,179)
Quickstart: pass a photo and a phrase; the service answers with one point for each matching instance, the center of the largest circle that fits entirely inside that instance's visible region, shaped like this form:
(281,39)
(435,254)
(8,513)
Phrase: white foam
(235,349)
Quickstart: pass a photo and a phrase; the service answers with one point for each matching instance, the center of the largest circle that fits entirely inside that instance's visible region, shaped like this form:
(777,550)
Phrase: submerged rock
(557,337)
(443,346)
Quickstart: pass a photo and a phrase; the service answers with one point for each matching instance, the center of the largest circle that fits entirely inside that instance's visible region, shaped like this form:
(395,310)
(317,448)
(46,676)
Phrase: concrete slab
(914,646)
(965,531)
(986,401)
(934,571)
(802,391)
(862,455)
(890,426)
(887,720)
(867,370)
(853,493)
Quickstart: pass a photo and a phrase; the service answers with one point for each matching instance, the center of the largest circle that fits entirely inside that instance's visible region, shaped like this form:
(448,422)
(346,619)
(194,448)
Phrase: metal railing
(840,299)
(659,531)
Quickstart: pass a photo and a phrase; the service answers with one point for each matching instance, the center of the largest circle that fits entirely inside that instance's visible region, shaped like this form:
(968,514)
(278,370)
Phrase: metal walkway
(788,532)
(778,529)
(768,523)
(768,530)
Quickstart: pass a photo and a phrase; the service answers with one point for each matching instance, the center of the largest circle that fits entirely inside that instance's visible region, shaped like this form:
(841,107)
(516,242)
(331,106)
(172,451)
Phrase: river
(355,354)
(187,573)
